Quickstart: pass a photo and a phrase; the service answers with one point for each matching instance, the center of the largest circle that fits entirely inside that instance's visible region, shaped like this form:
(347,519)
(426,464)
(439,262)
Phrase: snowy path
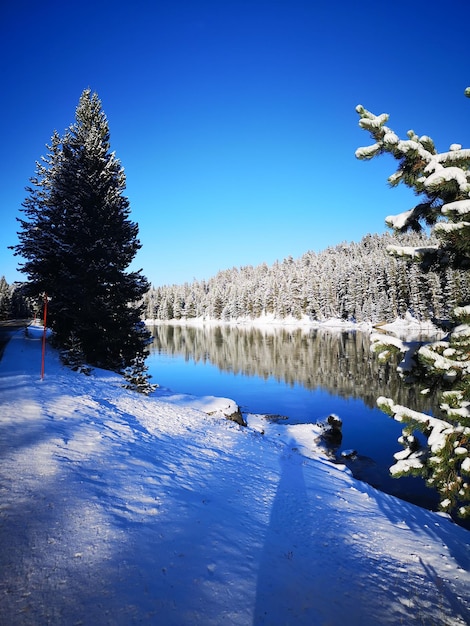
(121,509)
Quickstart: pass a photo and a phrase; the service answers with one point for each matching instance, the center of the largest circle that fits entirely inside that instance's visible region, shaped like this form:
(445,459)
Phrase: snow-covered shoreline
(119,508)
(265,321)
(408,325)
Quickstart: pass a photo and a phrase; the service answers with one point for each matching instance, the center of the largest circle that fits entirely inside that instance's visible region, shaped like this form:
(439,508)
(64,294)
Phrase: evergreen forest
(13,303)
(358,282)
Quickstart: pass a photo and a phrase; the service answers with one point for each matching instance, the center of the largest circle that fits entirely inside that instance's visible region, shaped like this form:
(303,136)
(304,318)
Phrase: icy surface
(118,508)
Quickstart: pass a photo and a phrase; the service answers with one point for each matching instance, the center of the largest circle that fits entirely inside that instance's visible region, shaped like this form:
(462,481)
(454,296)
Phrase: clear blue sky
(234,120)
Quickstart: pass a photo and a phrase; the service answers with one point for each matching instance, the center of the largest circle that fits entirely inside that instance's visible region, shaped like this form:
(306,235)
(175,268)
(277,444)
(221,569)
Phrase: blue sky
(234,120)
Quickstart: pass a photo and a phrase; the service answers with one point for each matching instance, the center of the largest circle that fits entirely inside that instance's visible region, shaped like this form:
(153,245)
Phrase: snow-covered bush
(72,355)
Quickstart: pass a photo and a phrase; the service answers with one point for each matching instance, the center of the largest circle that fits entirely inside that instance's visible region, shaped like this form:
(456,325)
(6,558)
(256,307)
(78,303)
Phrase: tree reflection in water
(340,363)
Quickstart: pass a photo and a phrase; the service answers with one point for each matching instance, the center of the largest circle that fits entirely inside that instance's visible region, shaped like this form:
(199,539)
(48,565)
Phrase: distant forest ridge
(359,282)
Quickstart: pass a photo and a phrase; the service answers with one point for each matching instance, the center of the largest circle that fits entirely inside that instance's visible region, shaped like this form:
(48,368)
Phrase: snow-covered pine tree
(443,182)
(78,241)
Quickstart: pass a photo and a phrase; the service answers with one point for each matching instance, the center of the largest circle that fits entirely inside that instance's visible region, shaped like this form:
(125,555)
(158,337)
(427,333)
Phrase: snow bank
(408,325)
(267,321)
(120,508)
(410,328)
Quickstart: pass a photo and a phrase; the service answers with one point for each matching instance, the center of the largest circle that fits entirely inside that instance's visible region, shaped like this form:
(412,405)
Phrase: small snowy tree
(442,180)
(78,240)
(72,355)
(137,376)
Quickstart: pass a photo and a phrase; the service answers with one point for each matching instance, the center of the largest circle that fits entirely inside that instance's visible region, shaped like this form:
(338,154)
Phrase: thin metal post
(44,337)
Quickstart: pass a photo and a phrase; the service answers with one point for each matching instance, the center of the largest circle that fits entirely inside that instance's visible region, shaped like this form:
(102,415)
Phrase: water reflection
(338,362)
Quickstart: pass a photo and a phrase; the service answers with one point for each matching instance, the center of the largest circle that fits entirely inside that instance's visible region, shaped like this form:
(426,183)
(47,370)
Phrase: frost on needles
(442,181)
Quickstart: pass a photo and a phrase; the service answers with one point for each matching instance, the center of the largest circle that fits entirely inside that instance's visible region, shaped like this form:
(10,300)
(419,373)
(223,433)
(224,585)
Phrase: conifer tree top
(91,120)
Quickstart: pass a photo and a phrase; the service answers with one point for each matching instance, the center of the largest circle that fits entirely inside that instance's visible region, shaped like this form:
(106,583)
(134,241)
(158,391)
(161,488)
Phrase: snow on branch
(399,221)
(409,145)
(441,361)
(410,251)
(406,461)
(438,427)
(459,207)
(455,154)
(369,121)
(380,343)
(368,152)
(461,311)
(447,174)
(395,178)
(390,340)
(448,227)
(437,168)
(390,137)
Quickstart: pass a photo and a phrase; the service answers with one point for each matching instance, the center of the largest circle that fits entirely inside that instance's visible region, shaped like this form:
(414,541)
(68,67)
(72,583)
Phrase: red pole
(44,337)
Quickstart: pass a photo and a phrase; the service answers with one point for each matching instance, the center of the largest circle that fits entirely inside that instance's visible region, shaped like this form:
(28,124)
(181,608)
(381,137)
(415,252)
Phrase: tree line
(13,303)
(359,282)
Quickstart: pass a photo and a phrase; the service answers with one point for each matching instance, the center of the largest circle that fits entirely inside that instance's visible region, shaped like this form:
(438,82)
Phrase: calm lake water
(302,375)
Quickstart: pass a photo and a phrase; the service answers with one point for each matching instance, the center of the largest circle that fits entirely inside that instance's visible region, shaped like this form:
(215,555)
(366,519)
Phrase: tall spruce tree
(442,180)
(77,240)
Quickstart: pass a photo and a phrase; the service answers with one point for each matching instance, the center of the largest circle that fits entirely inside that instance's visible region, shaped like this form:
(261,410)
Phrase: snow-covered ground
(117,508)
(407,328)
